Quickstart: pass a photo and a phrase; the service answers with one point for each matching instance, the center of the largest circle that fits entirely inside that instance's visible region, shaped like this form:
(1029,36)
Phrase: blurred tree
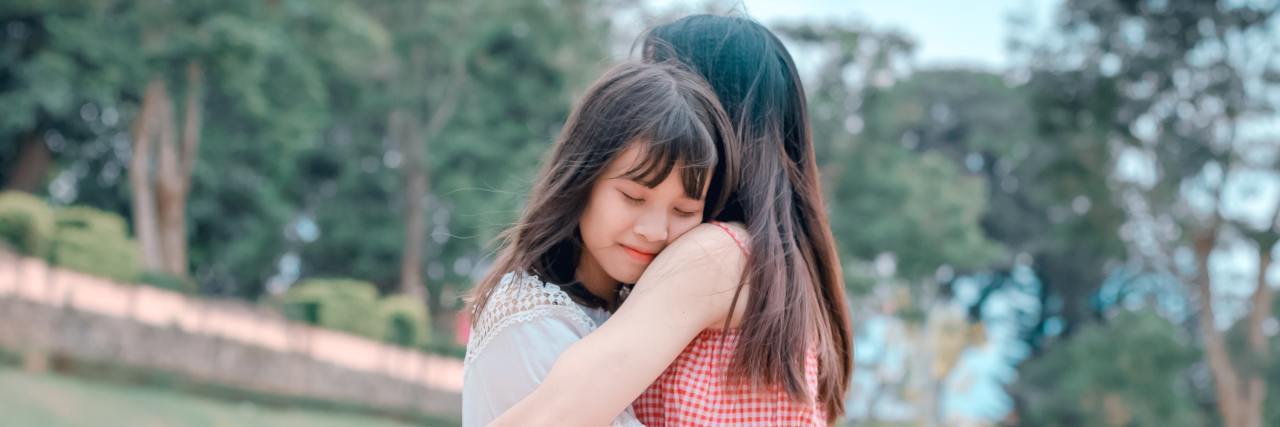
(902,212)
(1126,371)
(251,81)
(248,198)
(1172,87)
(423,89)
(266,90)
(512,74)
(1048,197)
(62,65)
(1272,406)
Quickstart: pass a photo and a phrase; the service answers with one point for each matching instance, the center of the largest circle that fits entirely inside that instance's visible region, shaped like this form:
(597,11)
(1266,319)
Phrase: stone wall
(231,343)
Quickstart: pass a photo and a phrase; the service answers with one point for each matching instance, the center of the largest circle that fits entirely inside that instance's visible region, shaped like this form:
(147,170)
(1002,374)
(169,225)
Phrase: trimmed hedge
(94,242)
(97,242)
(168,281)
(404,321)
(341,304)
(26,223)
(354,306)
(78,238)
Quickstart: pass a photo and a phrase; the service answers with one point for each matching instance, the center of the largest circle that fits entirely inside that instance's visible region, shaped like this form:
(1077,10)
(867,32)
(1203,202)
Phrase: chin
(626,275)
(629,279)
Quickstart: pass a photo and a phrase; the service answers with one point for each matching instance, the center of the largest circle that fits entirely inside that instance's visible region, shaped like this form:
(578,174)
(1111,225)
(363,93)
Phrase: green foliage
(354,306)
(1246,363)
(1041,191)
(341,304)
(940,168)
(72,72)
(442,345)
(94,242)
(404,321)
(1103,83)
(26,223)
(1132,370)
(523,61)
(908,200)
(168,281)
(77,237)
(63,65)
(859,277)
(82,217)
(295,107)
(276,73)
(56,56)
(919,207)
(132,396)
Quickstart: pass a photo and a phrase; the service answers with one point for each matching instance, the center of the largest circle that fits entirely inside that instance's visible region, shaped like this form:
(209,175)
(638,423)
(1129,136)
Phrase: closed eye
(685,214)
(633,200)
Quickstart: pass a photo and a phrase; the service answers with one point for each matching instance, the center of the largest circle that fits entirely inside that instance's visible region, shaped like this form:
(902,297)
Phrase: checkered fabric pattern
(696,390)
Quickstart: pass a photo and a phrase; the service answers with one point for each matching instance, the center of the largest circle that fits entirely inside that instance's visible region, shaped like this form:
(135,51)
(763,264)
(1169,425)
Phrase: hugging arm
(513,361)
(688,288)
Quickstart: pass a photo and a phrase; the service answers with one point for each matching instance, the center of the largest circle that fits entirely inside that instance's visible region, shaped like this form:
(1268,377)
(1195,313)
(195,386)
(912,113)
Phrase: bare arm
(688,288)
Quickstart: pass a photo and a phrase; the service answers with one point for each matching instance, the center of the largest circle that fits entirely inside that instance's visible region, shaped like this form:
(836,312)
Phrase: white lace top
(524,327)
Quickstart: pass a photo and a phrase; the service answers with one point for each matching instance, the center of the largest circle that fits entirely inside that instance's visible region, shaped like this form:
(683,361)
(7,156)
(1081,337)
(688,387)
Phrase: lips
(639,255)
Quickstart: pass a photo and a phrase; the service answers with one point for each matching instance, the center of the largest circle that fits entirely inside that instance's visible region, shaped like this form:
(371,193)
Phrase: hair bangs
(676,139)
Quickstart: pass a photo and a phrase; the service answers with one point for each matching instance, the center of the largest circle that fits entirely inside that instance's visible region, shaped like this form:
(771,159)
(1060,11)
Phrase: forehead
(626,164)
(626,160)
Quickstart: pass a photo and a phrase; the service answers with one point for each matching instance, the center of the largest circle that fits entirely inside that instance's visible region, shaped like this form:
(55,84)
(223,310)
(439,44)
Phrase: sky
(971,32)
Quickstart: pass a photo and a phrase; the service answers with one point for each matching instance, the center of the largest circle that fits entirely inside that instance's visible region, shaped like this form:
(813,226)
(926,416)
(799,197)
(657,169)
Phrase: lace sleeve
(521,298)
(517,338)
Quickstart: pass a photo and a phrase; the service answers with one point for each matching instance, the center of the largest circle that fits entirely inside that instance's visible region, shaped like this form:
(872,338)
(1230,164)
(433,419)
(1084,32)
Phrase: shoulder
(711,248)
(712,239)
(523,300)
(517,290)
(701,270)
(518,293)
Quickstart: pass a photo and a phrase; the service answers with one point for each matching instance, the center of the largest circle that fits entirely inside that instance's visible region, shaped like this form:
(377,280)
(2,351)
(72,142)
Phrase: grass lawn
(54,400)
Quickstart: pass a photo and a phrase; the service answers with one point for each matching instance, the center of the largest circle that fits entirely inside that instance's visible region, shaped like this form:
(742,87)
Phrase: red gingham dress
(696,389)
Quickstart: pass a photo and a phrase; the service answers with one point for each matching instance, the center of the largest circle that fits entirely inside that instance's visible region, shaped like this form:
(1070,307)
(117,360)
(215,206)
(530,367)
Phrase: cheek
(602,220)
(679,226)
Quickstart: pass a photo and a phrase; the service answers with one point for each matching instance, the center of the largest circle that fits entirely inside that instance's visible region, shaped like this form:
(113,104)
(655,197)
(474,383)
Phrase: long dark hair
(666,108)
(796,292)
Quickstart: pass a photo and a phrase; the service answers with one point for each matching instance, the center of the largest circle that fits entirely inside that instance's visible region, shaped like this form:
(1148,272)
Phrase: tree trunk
(405,133)
(34,160)
(413,139)
(924,378)
(173,180)
(159,202)
(1227,389)
(145,226)
(1261,302)
(168,188)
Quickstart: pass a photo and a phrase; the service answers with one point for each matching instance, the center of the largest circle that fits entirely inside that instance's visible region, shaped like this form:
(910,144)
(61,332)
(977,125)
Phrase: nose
(652,226)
